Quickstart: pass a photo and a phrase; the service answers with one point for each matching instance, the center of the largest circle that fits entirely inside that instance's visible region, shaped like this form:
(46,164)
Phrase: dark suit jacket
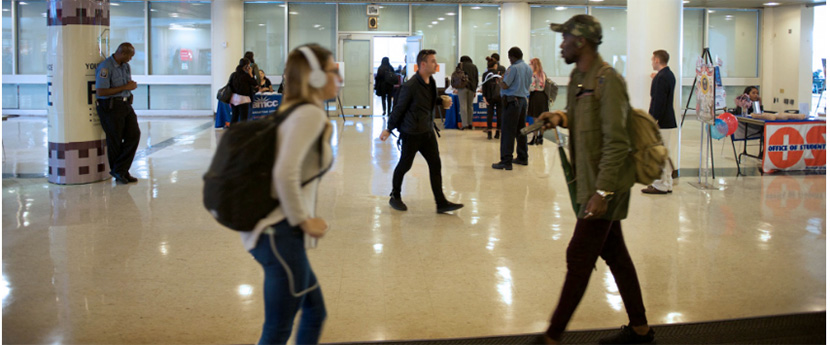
(662,99)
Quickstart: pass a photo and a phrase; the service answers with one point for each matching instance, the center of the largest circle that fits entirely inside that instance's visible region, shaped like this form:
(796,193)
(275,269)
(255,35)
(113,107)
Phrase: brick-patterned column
(78,39)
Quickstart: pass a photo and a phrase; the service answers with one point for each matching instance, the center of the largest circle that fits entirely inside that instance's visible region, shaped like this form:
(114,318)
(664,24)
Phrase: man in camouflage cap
(597,116)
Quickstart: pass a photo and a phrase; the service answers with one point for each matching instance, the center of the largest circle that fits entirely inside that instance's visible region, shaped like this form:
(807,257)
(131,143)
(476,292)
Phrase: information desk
(263,104)
(791,144)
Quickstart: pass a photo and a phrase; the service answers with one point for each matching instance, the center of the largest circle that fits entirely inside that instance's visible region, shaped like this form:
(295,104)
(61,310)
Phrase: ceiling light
(560,8)
(261,24)
(23,3)
(293,13)
(772,4)
(317,26)
(434,22)
(174,15)
(476,7)
(685,1)
(380,7)
(6,10)
(441,18)
(429,26)
(596,0)
(114,4)
(450,13)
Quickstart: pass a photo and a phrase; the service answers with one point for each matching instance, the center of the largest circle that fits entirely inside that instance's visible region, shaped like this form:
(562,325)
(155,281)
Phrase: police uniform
(117,116)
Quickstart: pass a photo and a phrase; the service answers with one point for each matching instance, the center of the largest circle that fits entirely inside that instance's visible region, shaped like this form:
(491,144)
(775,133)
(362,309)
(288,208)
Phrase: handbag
(224,94)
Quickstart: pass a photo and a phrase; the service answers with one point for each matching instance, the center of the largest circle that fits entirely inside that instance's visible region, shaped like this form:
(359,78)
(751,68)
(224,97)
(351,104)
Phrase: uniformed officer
(596,117)
(113,83)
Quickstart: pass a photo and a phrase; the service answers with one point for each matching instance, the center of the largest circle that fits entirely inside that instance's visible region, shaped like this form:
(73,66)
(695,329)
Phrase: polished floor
(145,263)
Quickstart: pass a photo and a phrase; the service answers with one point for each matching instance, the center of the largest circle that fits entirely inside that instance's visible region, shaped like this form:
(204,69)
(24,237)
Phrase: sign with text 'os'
(795,146)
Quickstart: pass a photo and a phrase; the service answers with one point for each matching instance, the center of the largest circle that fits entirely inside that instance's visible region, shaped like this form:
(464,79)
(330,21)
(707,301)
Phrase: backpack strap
(599,81)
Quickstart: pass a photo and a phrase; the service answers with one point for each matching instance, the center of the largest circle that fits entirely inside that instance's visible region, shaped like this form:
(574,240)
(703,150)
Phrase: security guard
(113,83)
(597,115)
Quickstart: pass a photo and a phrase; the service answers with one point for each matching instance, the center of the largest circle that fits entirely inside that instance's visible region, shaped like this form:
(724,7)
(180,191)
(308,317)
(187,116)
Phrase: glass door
(356,55)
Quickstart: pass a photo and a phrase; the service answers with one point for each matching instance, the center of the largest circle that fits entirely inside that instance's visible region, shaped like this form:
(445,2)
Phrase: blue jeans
(281,300)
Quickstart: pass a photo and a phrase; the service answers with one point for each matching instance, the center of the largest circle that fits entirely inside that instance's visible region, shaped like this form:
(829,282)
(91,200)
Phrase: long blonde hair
(296,87)
(539,72)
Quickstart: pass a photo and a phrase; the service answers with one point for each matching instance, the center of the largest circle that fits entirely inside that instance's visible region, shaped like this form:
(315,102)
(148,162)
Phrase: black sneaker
(502,166)
(626,335)
(519,162)
(119,178)
(448,207)
(489,135)
(497,135)
(397,204)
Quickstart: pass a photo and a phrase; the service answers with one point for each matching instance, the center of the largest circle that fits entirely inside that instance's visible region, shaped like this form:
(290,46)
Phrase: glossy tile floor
(144,263)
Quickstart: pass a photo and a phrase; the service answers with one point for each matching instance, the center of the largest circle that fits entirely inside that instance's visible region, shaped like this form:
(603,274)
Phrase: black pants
(240,112)
(491,108)
(386,102)
(512,123)
(427,145)
(592,239)
(121,126)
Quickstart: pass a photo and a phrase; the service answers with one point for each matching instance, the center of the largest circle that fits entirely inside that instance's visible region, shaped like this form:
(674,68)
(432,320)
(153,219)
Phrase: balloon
(731,122)
(719,129)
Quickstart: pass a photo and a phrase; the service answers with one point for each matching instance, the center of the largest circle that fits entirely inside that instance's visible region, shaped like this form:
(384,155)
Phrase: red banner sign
(795,146)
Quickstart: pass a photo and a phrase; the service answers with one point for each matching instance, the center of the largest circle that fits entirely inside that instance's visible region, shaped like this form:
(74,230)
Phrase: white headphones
(318,78)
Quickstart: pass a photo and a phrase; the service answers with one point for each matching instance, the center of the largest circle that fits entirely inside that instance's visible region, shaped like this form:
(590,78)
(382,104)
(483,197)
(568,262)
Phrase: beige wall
(787,52)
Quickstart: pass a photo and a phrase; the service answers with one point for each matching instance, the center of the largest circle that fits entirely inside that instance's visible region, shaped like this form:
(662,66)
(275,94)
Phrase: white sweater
(303,151)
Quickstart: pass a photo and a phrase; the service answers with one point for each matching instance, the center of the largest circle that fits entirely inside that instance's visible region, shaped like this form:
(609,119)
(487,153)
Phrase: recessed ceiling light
(380,7)
(174,15)
(293,13)
(772,4)
(560,8)
(441,18)
(685,1)
(596,0)
(23,3)
(114,4)
(450,13)
(476,7)
(429,26)
(434,22)
(317,26)
(283,5)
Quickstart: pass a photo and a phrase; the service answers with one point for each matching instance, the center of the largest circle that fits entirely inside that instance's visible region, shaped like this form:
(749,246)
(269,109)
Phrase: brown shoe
(652,190)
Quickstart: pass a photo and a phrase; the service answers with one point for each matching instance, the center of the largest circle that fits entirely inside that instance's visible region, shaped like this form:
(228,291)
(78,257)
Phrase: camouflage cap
(581,25)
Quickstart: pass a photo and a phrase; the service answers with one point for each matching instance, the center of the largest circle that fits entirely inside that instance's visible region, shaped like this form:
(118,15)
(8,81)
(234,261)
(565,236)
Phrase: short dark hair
(749,89)
(422,56)
(491,62)
(249,55)
(495,56)
(515,52)
(466,59)
(662,56)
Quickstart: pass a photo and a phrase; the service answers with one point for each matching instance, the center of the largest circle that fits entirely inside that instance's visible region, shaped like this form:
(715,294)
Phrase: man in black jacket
(662,108)
(413,117)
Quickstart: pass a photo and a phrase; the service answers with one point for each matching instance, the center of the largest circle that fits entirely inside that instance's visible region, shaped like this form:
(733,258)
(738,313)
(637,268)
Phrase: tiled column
(78,37)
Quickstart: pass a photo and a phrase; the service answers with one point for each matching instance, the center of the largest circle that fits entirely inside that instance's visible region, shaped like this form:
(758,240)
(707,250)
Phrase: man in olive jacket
(597,118)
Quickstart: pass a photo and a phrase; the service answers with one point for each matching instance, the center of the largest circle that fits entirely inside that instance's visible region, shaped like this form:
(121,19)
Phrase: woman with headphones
(279,241)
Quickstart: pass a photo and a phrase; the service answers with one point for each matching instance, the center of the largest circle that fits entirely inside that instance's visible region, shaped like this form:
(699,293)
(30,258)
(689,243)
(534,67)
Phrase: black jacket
(662,99)
(382,87)
(413,114)
(472,75)
(243,84)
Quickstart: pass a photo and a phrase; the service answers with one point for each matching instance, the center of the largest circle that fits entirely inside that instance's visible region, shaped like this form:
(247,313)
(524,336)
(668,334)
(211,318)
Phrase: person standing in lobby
(515,89)
(414,119)
(662,109)
(385,80)
(244,86)
(537,103)
(596,117)
(467,95)
(113,86)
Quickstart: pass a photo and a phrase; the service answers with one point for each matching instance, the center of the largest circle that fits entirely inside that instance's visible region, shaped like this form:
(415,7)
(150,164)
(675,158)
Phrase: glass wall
(180,38)
(9,96)
(614,45)
(694,20)
(312,23)
(127,25)
(8,43)
(544,43)
(31,50)
(733,36)
(479,33)
(391,18)
(180,97)
(438,24)
(265,35)
(32,96)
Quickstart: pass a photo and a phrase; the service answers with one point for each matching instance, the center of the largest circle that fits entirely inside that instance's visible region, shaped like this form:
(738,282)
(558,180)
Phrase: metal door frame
(340,57)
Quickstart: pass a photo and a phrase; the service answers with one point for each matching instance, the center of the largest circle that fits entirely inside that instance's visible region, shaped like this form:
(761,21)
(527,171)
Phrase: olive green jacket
(599,140)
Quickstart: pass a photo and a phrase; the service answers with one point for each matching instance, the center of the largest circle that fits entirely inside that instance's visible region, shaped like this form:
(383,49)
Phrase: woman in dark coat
(244,85)
(385,81)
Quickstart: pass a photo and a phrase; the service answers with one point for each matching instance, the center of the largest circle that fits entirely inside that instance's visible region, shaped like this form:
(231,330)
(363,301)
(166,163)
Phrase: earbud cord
(288,270)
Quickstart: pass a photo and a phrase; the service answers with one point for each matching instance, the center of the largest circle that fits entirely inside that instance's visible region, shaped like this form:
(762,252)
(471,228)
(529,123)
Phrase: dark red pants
(592,239)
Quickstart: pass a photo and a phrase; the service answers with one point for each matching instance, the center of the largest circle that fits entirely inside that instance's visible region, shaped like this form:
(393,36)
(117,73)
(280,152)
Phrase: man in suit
(662,108)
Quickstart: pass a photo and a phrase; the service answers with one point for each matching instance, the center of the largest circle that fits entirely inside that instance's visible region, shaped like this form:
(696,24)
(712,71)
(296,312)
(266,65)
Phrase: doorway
(361,55)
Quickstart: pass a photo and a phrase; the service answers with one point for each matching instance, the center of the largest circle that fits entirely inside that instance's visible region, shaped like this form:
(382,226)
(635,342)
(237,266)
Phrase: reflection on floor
(144,263)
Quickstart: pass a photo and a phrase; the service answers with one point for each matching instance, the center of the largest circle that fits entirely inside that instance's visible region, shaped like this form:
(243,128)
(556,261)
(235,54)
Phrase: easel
(339,105)
(707,154)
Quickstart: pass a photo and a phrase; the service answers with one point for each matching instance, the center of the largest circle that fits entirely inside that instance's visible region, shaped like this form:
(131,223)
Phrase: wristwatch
(604,194)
